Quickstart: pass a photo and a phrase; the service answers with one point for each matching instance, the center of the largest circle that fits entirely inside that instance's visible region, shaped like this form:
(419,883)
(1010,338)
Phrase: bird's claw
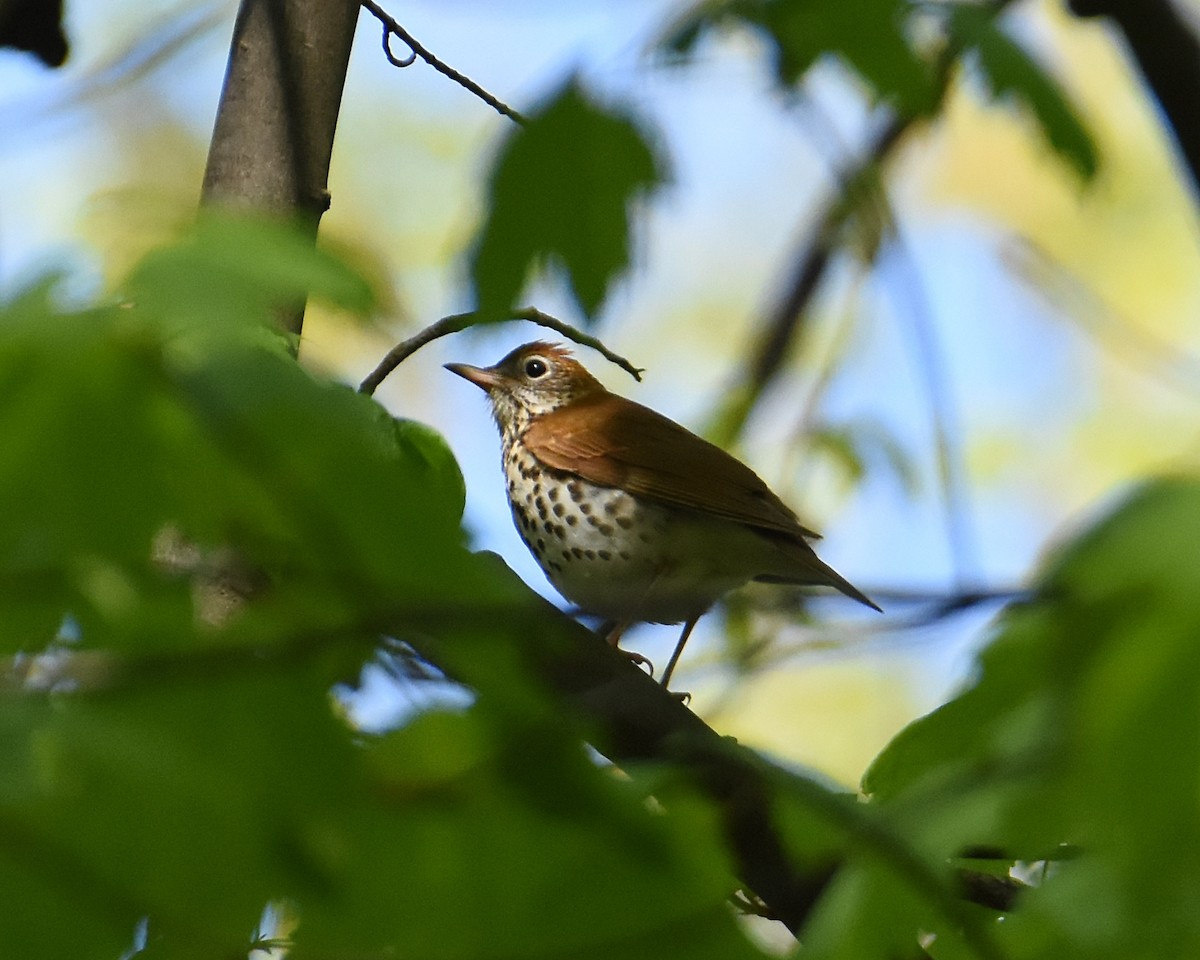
(638,660)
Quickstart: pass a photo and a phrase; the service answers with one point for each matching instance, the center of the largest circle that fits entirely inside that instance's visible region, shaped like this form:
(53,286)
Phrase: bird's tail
(803,567)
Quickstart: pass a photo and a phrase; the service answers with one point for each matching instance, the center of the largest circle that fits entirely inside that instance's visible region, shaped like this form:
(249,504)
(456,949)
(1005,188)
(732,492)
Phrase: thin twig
(943,415)
(534,315)
(1162,362)
(392,28)
(949,602)
(930,609)
(458,322)
(767,651)
(787,319)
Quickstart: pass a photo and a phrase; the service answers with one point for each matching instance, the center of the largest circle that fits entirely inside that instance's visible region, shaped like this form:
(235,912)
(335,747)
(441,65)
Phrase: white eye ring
(535,368)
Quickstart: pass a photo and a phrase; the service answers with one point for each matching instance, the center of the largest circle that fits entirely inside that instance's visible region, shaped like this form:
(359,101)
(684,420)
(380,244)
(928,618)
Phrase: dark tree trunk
(274,132)
(1168,54)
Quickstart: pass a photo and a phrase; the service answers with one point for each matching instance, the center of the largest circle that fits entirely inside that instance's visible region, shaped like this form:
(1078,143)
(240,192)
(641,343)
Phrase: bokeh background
(1050,324)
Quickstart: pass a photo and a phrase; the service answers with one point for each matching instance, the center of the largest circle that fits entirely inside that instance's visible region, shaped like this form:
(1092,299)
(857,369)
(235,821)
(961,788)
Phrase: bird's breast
(616,555)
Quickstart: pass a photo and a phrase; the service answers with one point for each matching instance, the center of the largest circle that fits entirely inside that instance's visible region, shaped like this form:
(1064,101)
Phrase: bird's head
(535,379)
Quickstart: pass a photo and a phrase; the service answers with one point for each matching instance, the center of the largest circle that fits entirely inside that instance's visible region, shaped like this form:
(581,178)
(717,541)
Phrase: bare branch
(392,28)
(455,323)
(767,650)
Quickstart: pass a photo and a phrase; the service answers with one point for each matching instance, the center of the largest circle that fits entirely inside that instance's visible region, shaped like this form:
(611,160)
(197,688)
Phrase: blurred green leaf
(1082,727)
(856,446)
(460,861)
(562,193)
(192,802)
(1011,73)
(869,912)
(419,442)
(119,422)
(869,36)
(362,495)
(838,445)
(234,270)
(78,413)
(884,889)
(180,776)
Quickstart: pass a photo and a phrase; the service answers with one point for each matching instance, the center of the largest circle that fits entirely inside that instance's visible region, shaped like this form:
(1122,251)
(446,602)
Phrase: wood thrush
(631,516)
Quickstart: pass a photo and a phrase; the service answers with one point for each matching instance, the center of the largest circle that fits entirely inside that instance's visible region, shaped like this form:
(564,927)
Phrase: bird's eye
(535,367)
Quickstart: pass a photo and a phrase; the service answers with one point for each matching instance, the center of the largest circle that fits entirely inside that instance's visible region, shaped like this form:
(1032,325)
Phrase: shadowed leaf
(1010,73)
(869,36)
(561,196)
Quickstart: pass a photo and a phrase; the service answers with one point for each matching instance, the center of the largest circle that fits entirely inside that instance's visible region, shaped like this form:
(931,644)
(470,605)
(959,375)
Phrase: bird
(631,516)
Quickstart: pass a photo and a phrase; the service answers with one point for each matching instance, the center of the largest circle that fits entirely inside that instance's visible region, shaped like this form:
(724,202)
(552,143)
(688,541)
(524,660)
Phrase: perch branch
(632,719)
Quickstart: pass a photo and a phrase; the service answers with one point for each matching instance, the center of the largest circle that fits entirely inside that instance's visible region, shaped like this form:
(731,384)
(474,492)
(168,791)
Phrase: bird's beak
(484,378)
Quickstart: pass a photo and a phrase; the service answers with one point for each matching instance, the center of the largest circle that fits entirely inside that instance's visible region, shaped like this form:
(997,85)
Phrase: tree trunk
(1168,53)
(275,124)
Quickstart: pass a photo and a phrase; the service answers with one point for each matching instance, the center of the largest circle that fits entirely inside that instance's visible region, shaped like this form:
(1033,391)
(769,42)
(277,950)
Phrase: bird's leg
(613,630)
(683,639)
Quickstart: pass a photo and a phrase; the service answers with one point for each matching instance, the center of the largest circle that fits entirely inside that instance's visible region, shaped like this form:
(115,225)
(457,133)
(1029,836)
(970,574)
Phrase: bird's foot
(638,660)
(612,631)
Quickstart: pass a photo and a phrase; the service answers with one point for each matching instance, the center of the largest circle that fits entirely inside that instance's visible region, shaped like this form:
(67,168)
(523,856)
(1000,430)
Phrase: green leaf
(426,451)
(868,35)
(466,860)
(181,776)
(1082,727)
(869,912)
(234,269)
(1011,73)
(121,422)
(361,495)
(189,799)
(78,466)
(561,194)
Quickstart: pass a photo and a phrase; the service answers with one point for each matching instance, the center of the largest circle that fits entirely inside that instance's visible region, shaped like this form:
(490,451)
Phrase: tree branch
(785,322)
(629,718)
(456,323)
(392,28)
(632,719)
